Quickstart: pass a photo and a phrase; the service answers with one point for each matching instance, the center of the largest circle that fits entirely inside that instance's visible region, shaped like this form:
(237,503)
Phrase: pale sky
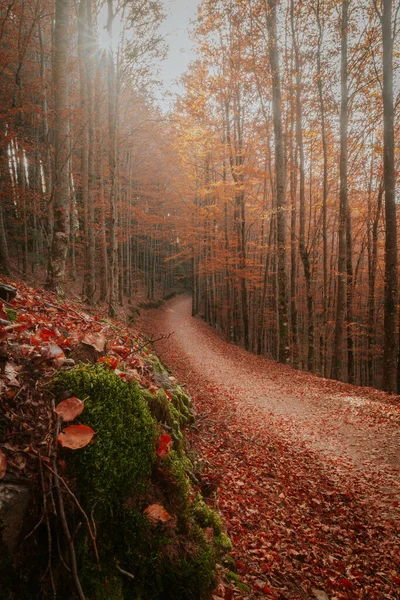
(175,28)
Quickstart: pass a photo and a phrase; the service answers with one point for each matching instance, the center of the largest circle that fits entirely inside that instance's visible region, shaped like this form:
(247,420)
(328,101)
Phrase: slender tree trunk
(4,258)
(112,156)
(280,166)
(373,261)
(324,188)
(337,366)
(390,357)
(59,246)
(304,252)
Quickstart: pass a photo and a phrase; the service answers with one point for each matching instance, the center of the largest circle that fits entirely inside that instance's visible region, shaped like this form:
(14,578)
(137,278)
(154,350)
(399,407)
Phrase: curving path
(339,437)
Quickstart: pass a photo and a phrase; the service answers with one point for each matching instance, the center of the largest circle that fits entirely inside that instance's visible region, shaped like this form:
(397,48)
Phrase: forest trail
(335,439)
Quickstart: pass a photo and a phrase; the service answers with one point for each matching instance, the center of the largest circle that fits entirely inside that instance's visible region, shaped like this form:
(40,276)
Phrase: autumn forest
(268,189)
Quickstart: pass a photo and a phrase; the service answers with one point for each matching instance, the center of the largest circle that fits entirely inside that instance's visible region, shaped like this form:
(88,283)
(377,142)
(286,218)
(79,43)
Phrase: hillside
(100,493)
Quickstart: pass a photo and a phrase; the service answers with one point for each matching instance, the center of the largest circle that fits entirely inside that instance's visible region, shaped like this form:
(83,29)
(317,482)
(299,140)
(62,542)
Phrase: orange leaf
(110,361)
(156,513)
(75,436)
(121,350)
(70,409)
(3,464)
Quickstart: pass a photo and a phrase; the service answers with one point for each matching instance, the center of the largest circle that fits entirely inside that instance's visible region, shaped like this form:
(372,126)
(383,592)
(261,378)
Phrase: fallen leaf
(164,445)
(156,513)
(70,409)
(3,464)
(52,352)
(112,362)
(320,594)
(11,373)
(97,341)
(121,350)
(75,436)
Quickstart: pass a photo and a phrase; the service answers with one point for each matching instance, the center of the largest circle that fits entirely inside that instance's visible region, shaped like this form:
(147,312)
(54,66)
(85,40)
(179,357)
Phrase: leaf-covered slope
(93,423)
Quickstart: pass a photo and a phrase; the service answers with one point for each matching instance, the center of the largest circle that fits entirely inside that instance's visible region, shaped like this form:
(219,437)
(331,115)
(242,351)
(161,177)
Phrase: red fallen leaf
(345,583)
(121,350)
(266,590)
(75,436)
(35,340)
(396,579)
(156,513)
(46,334)
(70,409)
(97,341)
(169,395)
(228,593)
(3,464)
(111,361)
(164,445)
(3,333)
(121,374)
(153,389)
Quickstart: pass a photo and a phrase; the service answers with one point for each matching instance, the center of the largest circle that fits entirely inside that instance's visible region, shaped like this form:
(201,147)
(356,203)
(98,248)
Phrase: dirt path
(336,449)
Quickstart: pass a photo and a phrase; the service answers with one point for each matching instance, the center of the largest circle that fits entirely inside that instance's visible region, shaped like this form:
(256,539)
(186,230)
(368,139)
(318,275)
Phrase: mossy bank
(115,478)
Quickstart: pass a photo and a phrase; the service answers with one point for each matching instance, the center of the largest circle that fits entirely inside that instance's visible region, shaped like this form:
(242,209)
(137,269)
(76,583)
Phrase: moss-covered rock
(119,475)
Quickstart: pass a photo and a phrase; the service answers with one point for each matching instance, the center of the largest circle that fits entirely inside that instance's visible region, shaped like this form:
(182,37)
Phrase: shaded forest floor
(307,469)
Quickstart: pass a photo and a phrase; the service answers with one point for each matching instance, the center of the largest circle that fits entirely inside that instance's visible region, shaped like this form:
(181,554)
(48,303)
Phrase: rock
(14,500)
(7,292)
(163,380)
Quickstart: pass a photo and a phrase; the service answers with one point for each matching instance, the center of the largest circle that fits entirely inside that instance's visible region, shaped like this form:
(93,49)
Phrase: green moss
(236,579)
(12,314)
(177,467)
(120,476)
(205,516)
(165,412)
(121,458)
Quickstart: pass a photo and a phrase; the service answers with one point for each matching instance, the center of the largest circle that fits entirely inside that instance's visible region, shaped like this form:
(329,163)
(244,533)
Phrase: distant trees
(314,128)
(85,174)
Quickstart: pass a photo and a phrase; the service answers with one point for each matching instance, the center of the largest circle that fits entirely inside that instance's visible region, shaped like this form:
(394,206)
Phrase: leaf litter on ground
(304,470)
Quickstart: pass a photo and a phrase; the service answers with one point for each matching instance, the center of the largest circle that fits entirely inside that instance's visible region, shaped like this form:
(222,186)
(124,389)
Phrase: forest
(268,189)
(208,274)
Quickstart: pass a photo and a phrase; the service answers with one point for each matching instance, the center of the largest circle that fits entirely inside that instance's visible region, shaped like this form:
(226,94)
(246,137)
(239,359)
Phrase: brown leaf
(3,464)
(97,341)
(70,409)
(10,372)
(76,436)
(320,594)
(157,513)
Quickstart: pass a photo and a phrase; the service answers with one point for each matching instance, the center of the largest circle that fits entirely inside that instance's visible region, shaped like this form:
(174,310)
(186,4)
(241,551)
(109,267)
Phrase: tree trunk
(280,166)
(337,366)
(391,277)
(59,246)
